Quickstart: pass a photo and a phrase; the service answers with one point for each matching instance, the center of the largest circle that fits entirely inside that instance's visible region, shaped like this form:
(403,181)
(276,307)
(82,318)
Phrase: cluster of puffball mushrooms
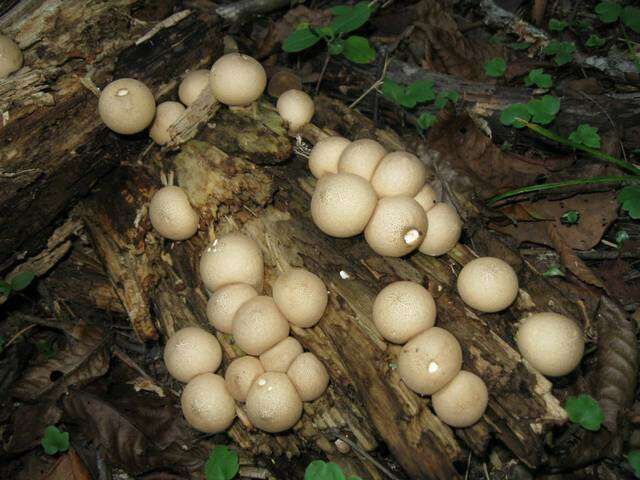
(361,188)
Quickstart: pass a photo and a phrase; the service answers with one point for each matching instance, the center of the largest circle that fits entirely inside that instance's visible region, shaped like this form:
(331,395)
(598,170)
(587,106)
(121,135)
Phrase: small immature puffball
(207,405)
(325,155)
(463,401)
(399,173)
(301,296)
(273,404)
(258,325)
(279,357)
(397,227)
(191,351)
(445,228)
(551,343)
(488,284)
(342,204)
(225,302)
(430,360)
(402,310)
(240,375)
(361,158)
(296,108)
(171,214)
(127,106)
(237,79)
(166,115)
(232,258)
(10,57)
(427,197)
(192,86)
(309,376)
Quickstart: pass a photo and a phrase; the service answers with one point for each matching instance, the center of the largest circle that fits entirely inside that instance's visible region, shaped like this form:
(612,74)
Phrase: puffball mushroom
(402,310)
(342,204)
(426,197)
(207,405)
(237,79)
(463,401)
(279,357)
(192,86)
(445,228)
(191,351)
(399,173)
(240,375)
(166,115)
(171,214)
(258,325)
(309,376)
(127,106)
(273,404)
(10,56)
(325,155)
(551,343)
(232,258)
(361,158)
(397,227)
(225,302)
(301,296)
(296,108)
(488,284)
(430,360)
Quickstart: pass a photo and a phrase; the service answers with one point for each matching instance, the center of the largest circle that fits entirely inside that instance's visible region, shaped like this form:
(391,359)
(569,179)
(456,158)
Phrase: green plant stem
(566,183)
(592,151)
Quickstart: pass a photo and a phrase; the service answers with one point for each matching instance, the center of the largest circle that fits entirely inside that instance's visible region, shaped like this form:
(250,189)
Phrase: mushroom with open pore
(127,106)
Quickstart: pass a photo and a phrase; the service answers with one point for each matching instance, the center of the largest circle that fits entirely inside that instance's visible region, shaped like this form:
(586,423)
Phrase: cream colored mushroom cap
(296,108)
(232,258)
(258,325)
(309,376)
(240,375)
(301,296)
(207,405)
(127,106)
(445,228)
(166,115)
(171,214)
(237,79)
(402,310)
(279,357)
(192,86)
(551,343)
(10,57)
(191,351)
(225,302)
(463,401)
(342,204)
(427,197)
(325,155)
(488,284)
(397,227)
(273,404)
(361,157)
(430,360)
(399,173)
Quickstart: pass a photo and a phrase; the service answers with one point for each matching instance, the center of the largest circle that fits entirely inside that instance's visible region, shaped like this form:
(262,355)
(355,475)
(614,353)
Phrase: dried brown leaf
(569,258)
(68,467)
(27,425)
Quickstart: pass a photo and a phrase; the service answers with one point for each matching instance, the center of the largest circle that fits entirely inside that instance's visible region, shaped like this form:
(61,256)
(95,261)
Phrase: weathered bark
(53,146)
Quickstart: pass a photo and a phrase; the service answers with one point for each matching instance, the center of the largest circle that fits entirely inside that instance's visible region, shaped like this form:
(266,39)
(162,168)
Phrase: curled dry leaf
(68,467)
(26,425)
(570,260)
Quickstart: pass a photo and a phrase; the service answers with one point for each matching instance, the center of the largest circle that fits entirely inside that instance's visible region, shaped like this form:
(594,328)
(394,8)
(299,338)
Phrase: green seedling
(562,52)
(634,461)
(621,237)
(553,271)
(538,78)
(570,217)
(222,464)
(426,120)
(54,440)
(594,41)
(19,282)
(319,470)
(610,12)
(629,199)
(585,411)
(556,25)
(586,135)
(495,67)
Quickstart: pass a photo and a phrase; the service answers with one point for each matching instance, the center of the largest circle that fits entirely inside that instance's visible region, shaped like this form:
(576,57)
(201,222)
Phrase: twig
(15,337)
(375,85)
(537,12)
(322,72)
(166,23)
(368,457)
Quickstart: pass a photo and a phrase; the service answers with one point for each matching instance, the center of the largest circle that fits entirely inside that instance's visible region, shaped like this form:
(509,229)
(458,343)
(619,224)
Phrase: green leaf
(5,288)
(586,135)
(358,50)
(300,39)
(510,115)
(340,10)
(608,12)
(421,91)
(453,96)
(353,19)
(594,41)
(631,18)
(544,110)
(634,460)
(495,67)
(562,51)
(336,47)
(570,217)
(222,464)
(539,78)
(629,199)
(553,271)
(392,91)
(319,470)
(2,342)
(621,237)
(325,32)
(519,45)
(585,411)
(46,348)
(22,280)
(426,120)
(54,440)
(582,25)
(556,25)
(496,39)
